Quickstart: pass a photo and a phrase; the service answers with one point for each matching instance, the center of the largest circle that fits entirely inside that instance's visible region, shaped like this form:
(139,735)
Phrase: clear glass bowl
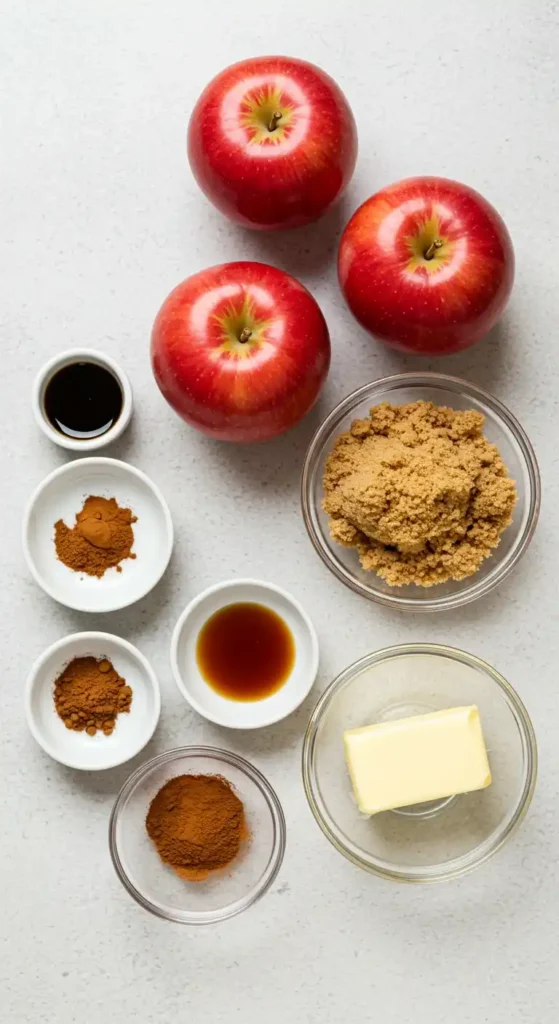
(501,428)
(153,884)
(432,841)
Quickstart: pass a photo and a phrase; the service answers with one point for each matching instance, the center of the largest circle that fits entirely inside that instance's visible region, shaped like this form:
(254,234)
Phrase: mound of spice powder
(89,694)
(197,823)
(419,492)
(101,537)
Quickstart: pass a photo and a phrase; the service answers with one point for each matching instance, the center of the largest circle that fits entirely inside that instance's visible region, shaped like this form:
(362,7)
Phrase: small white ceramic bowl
(235,714)
(132,730)
(47,372)
(60,496)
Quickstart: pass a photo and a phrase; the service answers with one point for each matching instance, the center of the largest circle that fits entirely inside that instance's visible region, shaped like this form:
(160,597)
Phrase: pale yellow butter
(411,760)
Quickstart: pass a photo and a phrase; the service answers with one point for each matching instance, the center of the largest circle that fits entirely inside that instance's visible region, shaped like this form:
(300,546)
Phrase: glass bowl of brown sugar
(197,835)
(408,558)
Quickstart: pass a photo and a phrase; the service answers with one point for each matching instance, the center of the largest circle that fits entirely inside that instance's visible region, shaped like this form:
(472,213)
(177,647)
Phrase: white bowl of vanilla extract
(244,654)
(82,400)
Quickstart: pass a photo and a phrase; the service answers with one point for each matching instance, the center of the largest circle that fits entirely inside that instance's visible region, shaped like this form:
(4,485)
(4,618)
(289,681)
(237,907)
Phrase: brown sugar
(101,537)
(89,694)
(419,492)
(197,823)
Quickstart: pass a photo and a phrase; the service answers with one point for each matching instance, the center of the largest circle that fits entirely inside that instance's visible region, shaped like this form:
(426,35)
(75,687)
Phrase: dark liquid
(83,400)
(245,651)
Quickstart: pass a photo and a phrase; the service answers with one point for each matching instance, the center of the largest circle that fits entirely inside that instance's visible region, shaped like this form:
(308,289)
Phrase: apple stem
(245,335)
(431,250)
(274,120)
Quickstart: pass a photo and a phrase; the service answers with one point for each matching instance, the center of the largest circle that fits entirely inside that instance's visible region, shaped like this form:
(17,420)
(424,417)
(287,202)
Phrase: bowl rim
(75,466)
(58,647)
(47,372)
(458,866)
(276,855)
(455,384)
(179,627)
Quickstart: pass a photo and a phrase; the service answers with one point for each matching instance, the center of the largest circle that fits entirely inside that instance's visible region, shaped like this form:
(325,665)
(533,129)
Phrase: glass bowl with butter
(419,762)
(500,428)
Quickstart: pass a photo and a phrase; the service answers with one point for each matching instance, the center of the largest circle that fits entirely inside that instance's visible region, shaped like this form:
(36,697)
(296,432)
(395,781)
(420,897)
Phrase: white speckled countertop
(100,219)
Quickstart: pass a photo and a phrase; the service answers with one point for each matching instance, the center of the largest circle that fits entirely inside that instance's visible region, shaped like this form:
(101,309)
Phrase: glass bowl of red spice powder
(145,828)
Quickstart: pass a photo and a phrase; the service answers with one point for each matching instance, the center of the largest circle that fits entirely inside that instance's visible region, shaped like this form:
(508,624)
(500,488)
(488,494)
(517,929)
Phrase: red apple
(272,142)
(240,351)
(426,265)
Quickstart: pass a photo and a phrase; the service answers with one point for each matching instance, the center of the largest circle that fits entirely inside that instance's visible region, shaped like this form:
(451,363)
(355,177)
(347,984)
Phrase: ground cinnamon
(101,537)
(197,823)
(89,694)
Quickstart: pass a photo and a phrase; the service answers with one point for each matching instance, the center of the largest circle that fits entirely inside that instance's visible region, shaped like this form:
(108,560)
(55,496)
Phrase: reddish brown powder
(101,537)
(89,694)
(197,823)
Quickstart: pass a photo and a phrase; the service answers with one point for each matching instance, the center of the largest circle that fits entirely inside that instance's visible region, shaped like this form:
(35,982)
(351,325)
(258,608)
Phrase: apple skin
(279,178)
(435,305)
(232,387)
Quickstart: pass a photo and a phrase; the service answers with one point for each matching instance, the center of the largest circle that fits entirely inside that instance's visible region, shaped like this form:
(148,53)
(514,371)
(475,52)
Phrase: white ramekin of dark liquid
(82,399)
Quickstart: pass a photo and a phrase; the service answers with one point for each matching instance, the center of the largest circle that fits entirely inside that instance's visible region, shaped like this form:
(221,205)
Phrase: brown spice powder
(197,823)
(89,694)
(419,492)
(101,537)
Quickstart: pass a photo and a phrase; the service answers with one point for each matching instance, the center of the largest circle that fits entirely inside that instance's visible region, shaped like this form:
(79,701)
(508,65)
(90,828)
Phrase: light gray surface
(100,219)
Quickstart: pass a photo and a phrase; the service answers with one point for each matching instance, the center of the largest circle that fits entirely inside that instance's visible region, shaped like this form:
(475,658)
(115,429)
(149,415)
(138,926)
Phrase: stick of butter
(411,760)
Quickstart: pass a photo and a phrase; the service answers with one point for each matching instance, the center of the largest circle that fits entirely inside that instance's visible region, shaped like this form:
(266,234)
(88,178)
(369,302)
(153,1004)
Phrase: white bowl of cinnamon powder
(97,535)
(92,701)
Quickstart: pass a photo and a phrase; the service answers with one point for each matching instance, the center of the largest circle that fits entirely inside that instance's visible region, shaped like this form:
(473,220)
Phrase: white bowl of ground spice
(420,491)
(92,701)
(97,535)
(244,654)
